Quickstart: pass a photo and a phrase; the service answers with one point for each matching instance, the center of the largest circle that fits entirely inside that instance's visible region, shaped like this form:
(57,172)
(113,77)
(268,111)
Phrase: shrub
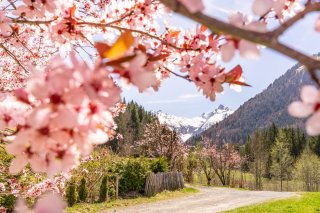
(133,175)
(159,165)
(103,189)
(71,193)
(82,190)
(8,202)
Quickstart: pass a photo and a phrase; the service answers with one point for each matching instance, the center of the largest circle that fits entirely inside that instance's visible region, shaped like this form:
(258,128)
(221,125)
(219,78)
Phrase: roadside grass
(98,207)
(305,203)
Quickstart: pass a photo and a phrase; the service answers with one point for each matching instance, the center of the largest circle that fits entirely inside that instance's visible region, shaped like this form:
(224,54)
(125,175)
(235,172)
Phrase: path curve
(208,200)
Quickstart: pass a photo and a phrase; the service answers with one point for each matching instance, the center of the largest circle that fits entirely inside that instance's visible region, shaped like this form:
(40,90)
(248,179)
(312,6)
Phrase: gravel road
(208,200)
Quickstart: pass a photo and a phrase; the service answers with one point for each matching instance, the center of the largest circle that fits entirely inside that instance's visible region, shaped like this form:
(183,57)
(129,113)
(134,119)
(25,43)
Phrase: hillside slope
(262,110)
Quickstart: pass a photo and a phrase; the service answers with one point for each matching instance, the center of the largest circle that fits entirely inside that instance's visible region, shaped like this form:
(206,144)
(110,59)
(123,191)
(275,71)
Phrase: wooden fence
(156,183)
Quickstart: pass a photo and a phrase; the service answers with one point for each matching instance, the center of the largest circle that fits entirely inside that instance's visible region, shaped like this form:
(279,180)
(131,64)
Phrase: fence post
(156,183)
(107,188)
(117,186)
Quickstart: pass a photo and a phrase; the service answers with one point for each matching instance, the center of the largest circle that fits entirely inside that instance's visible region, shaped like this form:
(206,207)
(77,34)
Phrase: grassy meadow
(97,207)
(306,202)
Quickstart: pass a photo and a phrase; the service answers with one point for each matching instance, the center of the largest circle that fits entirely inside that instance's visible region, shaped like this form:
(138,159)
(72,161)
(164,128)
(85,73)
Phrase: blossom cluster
(55,185)
(70,111)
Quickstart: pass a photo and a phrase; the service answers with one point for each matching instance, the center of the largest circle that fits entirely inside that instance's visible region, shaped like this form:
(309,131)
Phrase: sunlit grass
(98,207)
(305,203)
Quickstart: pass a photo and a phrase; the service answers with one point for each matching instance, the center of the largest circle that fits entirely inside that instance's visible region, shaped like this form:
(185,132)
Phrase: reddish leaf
(72,11)
(158,57)
(234,76)
(101,48)
(241,83)
(120,47)
(203,28)
(174,33)
(142,48)
(119,61)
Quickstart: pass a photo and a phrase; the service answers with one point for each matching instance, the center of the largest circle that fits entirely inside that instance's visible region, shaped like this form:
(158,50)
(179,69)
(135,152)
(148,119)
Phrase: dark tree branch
(268,39)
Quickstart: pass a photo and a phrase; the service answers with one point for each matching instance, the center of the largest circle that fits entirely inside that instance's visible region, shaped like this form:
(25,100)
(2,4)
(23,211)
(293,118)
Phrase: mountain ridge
(187,127)
(259,112)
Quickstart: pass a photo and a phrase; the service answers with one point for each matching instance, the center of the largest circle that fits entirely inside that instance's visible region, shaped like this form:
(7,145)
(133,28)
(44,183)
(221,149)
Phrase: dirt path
(209,200)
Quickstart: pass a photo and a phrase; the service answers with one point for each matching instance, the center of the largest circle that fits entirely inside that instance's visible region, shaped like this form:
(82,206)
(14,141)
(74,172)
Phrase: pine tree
(82,190)
(103,189)
(281,158)
(71,193)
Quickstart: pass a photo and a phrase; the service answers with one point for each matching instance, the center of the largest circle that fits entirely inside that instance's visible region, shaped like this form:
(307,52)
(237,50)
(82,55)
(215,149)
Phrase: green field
(97,207)
(304,203)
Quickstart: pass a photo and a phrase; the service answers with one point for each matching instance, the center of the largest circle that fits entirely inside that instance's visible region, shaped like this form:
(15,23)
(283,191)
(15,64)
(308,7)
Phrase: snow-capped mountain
(187,127)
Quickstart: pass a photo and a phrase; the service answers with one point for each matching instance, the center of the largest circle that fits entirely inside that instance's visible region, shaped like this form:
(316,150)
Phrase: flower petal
(227,51)
(249,50)
(261,7)
(313,125)
(300,110)
(310,94)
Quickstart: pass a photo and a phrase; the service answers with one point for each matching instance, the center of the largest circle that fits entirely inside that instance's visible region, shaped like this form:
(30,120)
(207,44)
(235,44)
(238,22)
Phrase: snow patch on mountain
(188,127)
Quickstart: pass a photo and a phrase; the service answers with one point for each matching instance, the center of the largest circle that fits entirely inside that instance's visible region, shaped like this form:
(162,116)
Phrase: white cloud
(190,96)
(172,101)
(187,98)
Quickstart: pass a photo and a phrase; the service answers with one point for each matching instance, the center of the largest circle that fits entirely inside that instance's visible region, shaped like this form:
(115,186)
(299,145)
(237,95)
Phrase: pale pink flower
(29,9)
(308,106)
(5,28)
(11,113)
(261,7)
(317,27)
(278,7)
(50,203)
(72,110)
(2,187)
(246,49)
(138,74)
(193,5)
(3,209)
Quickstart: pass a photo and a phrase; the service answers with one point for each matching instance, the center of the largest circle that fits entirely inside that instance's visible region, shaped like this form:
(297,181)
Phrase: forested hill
(131,124)
(270,106)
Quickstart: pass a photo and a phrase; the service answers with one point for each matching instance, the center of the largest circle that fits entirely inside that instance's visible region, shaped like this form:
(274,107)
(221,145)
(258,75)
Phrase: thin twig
(14,57)
(185,77)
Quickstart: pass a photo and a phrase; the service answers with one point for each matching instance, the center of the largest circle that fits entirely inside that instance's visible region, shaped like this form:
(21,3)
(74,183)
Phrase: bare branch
(266,39)
(14,57)
(185,77)
(286,25)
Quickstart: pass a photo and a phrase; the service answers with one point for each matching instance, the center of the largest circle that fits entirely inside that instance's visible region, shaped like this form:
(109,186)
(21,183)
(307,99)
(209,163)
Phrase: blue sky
(179,97)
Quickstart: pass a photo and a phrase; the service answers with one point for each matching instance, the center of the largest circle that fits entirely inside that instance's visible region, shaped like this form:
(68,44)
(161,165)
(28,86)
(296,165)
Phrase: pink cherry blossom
(193,5)
(2,187)
(261,7)
(308,106)
(5,28)
(49,203)
(246,49)
(317,27)
(3,209)
(70,112)
(11,113)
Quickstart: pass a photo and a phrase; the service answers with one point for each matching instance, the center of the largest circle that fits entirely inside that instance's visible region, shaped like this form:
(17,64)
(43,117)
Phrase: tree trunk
(209,181)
